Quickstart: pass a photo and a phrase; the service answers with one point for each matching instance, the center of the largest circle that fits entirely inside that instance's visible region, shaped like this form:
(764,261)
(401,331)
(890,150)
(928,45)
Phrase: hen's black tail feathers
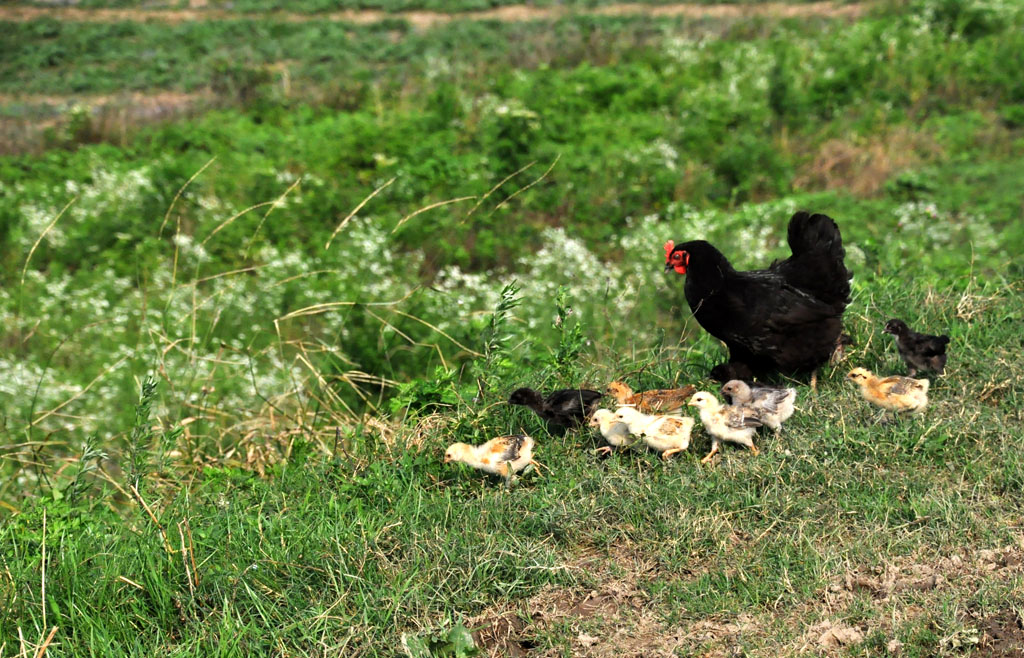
(816,265)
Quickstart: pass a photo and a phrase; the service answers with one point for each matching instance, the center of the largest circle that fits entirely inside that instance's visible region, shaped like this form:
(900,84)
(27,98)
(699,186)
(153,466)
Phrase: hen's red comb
(669,246)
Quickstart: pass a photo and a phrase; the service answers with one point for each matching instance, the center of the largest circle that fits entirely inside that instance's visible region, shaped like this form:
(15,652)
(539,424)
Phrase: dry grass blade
(42,580)
(495,188)
(42,235)
(277,203)
(228,221)
(47,414)
(523,189)
(46,643)
(181,191)
(438,330)
(316,309)
(410,339)
(430,207)
(355,210)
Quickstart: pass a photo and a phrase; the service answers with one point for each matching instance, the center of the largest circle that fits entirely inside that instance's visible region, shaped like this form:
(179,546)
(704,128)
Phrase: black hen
(919,351)
(560,409)
(786,318)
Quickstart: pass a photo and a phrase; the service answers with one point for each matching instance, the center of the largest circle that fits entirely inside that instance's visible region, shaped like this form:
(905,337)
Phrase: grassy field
(237,338)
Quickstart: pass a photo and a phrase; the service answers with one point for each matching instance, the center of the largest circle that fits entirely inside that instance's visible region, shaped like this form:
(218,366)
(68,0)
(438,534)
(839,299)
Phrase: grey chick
(773,404)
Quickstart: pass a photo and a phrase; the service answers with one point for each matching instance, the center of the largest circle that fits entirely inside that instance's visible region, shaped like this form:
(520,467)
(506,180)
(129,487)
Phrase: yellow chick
(732,424)
(664,400)
(893,393)
(773,405)
(615,432)
(666,434)
(503,455)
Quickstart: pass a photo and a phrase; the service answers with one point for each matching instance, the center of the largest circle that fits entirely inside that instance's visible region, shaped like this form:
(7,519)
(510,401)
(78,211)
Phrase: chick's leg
(537,465)
(754,450)
(714,450)
(669,453)
(604,450)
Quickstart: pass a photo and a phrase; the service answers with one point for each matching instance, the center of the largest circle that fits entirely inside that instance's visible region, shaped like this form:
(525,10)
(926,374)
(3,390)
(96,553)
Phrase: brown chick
(663,400)
(893,393)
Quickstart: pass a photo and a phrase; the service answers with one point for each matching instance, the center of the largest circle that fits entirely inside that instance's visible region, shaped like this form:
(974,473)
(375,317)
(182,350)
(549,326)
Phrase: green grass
(383,539)
(289,492)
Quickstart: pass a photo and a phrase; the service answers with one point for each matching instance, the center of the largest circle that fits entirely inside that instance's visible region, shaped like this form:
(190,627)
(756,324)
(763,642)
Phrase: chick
(666,434)
(560,409)
(918,351)
(893,393)
(843,343)
(615,432)
(663,400)
(732,424)
(503,455)
(774,405)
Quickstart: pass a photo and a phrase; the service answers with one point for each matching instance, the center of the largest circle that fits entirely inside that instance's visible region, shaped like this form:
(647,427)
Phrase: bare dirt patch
(617,618)
(427,19)
(863,167)
(111,117)
(1002,636)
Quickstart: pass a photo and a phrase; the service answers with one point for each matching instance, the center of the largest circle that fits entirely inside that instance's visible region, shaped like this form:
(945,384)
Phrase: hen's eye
(676,257)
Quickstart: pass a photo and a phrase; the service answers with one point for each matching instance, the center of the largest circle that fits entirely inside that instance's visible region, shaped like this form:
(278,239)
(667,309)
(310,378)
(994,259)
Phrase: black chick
(919,351)
(560,409)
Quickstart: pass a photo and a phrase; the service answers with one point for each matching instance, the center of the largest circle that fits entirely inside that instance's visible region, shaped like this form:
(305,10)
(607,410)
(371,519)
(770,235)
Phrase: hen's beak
(669,267)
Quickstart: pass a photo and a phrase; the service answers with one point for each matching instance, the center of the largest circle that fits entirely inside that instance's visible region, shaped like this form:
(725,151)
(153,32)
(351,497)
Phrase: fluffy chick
(666,434)
(732,424)
(615,432)
(773,404)
(662,400)
(918,351)
(567,407)
(503,455)
(893,393)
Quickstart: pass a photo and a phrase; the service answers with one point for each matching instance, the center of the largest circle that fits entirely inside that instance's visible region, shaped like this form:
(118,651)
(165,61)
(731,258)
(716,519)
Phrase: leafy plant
(426,394)
(495,337)
(456,643)
(570,336)
(88,463)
